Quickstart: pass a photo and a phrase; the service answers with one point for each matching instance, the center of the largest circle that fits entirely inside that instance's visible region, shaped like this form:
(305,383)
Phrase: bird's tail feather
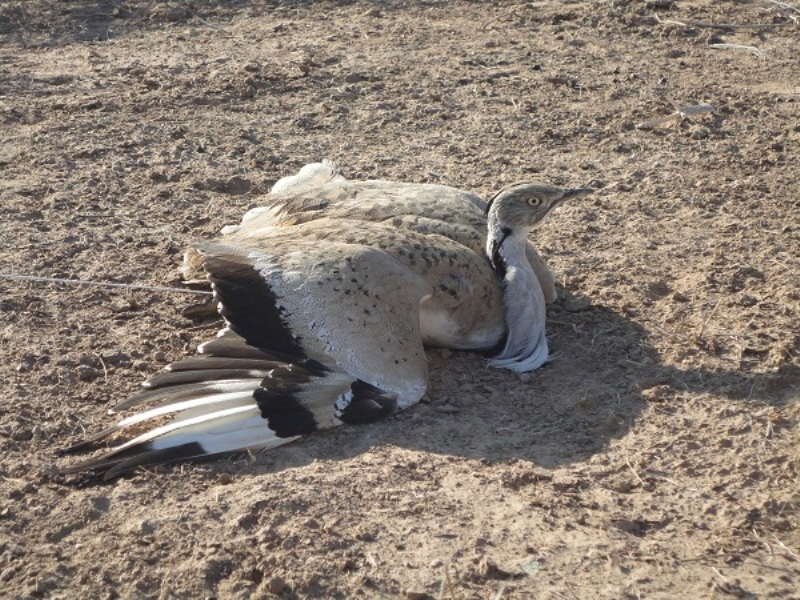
(196,418)
(225,431)
(199,420)
(199,406)
(217,421)
(186,392)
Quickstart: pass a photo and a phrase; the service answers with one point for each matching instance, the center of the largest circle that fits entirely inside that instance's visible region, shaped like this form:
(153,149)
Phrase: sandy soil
(656,456)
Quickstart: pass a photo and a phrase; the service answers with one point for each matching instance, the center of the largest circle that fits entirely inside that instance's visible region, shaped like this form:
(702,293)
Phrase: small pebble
(349,565)
(88,373)
(22,435)
(89,360)
(577,304)
(276,585)
(115,358)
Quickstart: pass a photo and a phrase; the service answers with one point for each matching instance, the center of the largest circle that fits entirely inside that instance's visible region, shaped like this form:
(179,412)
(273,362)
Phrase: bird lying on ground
(329,293)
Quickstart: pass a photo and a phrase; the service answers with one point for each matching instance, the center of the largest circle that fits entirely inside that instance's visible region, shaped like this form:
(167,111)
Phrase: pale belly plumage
(440,328)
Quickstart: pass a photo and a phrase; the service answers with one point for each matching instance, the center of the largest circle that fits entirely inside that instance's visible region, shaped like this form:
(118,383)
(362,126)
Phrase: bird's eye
(534,201)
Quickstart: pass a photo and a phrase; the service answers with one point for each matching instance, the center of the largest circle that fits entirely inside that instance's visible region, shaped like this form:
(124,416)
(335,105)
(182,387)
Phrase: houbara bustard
(328,293)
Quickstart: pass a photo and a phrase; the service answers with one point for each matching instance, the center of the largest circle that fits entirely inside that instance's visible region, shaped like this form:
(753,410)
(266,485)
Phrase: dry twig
(763,541)
(635,474)
(447,585)
(705,25)
(786,548)
(680,114)
(752,49)
(103,364)
(699,336)
(501,591)
(128,286)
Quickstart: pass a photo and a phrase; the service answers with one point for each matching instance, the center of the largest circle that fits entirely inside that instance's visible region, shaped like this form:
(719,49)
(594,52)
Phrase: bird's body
(329,293)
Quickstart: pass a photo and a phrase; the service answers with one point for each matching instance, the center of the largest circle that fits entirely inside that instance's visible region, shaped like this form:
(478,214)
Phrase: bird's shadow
(604,374)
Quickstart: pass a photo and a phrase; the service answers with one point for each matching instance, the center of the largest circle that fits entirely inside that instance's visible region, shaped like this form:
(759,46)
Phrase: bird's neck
(525,346)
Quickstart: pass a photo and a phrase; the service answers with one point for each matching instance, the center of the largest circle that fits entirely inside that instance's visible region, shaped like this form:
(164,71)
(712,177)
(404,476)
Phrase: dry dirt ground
(656,456)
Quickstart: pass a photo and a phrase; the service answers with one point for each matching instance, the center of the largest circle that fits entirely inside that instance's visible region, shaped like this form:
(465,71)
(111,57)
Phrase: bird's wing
(317,336)
(333,298)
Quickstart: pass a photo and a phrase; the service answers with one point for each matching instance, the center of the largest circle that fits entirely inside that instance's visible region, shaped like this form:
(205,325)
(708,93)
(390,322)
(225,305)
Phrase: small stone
(572,304)
(288,543)
(488,569)
(88,373)
(116,358)
(89,360)
(146,527)
(415,595)
(22,435)
(658,289)
(699,134)
(349,565)
(365,536)
(354,78)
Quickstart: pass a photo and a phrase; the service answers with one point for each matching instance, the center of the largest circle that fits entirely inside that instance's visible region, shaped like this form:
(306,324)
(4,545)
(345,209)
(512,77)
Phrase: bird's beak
(567,195)
(576,193)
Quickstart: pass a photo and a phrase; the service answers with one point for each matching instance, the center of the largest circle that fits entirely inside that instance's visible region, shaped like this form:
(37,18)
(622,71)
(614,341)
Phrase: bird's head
(524,205)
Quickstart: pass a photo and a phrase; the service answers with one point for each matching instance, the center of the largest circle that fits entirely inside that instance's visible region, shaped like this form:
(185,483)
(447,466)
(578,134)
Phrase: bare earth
(656,456)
